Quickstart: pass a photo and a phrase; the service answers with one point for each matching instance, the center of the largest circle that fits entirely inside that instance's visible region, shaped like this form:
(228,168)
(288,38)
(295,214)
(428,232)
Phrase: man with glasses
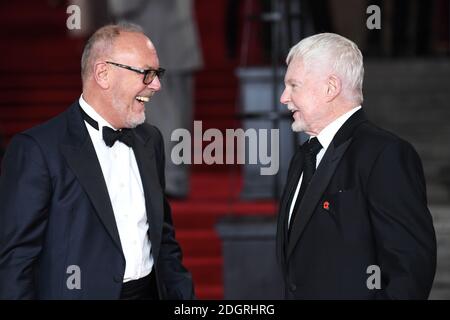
(82,207)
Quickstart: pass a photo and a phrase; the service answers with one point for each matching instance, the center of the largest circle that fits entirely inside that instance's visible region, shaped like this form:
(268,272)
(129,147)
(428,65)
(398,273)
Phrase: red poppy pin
(326,205)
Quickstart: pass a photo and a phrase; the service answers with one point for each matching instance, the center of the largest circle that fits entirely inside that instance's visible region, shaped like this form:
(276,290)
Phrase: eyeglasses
(149,74)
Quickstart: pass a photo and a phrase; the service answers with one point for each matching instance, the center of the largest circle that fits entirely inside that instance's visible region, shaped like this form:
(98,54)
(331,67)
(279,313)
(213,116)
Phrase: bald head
(102,44)
(133,48)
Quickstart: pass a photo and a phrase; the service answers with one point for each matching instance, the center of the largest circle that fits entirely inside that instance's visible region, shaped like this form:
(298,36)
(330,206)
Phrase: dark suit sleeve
(402,223)
(177,279)
(24,194)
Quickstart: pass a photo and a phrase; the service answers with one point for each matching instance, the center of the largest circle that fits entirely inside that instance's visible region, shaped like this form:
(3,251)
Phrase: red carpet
(213,196)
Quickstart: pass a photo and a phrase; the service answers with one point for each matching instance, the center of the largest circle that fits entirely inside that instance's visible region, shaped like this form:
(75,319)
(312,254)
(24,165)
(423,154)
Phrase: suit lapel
(145,158)
(82,159)
(316,188)
(293,177)
(322,177)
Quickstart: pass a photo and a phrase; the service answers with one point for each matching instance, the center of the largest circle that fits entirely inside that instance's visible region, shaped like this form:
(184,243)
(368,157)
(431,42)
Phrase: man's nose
(284,99)
(155,85)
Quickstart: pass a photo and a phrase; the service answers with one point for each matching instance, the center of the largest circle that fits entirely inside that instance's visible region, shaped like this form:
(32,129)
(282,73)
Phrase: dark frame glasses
(149,74)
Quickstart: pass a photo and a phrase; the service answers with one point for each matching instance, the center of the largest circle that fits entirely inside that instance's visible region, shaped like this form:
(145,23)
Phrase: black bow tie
(110,136)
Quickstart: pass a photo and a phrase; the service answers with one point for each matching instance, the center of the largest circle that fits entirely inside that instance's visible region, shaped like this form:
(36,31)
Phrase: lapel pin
(326,205)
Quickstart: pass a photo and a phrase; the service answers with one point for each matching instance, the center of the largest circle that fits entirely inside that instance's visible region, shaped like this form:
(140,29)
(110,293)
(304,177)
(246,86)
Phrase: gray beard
(131,121)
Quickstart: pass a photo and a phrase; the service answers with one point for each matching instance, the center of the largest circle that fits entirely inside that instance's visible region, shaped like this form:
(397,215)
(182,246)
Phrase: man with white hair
(353,221)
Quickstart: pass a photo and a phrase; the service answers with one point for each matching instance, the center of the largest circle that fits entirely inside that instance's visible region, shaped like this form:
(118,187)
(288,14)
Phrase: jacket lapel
(145,158)
(314,192)
(82,159)
(292,181)
(322,177)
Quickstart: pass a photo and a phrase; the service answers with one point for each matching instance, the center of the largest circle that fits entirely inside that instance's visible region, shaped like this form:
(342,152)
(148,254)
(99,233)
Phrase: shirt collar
(327,134)
(94,115)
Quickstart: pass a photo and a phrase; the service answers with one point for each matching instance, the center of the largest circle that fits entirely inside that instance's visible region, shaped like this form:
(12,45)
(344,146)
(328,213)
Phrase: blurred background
(233,66)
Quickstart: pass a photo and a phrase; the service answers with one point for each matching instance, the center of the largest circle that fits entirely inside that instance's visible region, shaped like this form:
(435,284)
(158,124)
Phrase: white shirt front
(123,181)
(325,137)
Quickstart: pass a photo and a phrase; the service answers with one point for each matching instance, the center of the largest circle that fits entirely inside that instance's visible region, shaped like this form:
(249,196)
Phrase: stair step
(209,292)
(215,77)
(25,20)
(11,128)
(215,93)
(31,17)
(205,270)
(42,80)
(41,96)
(49,54)
(30,112)
(204,215)
(198,243)
(218,109)
(215,208)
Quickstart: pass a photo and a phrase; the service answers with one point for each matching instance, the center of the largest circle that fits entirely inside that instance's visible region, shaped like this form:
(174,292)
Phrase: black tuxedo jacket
(55,213)
(365,206)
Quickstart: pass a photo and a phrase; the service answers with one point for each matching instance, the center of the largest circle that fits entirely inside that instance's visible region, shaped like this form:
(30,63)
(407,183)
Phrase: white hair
(345,59)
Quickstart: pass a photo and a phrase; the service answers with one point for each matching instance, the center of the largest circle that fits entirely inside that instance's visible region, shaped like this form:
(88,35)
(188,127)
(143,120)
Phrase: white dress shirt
(123,181)
(325,137)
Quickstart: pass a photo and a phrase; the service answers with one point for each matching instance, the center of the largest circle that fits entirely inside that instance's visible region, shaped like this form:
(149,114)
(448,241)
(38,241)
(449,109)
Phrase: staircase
(215,189)
(39,68)
(410,97)
(441,285)
(214,195)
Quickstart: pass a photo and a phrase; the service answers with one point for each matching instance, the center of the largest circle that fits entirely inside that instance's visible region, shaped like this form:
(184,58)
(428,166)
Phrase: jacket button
(118,279)
(292,287)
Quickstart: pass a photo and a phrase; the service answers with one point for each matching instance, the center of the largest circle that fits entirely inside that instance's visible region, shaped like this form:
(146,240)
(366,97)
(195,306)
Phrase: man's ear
(101,74)
(333,87)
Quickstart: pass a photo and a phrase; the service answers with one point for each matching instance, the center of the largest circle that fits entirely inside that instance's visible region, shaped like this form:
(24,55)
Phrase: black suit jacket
(365,205)
(55,212)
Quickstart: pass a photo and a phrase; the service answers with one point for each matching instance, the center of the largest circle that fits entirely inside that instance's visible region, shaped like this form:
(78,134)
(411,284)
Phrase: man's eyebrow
(292,81)
(147,66)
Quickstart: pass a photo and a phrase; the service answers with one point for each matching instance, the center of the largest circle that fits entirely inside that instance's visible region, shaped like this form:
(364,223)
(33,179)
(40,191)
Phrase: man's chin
(135,121)
(297,126)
